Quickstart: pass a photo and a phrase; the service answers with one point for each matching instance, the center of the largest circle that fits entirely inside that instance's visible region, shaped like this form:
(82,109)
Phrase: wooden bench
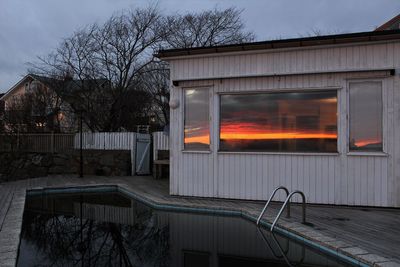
(161,162)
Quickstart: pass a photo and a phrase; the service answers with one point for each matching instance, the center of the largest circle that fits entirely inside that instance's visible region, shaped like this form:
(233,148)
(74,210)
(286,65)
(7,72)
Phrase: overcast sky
(29,28)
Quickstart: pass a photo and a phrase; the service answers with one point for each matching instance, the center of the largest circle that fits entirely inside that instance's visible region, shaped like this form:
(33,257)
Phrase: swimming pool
(110,229)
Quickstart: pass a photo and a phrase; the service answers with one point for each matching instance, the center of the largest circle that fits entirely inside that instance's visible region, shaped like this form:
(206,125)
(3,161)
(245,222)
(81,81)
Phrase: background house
(45,104)
(1,103)
(393,24)
(1,114)
(35,105)
(318,114)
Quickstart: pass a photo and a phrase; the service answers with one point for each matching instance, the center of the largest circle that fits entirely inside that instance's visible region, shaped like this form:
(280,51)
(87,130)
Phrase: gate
(143,148)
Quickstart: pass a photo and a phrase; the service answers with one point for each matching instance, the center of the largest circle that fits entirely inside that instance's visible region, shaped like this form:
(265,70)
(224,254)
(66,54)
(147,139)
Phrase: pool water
(109,229)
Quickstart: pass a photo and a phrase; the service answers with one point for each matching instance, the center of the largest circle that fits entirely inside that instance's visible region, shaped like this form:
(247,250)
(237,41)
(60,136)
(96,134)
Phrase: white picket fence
(160,142)
(107,141)
(118,141)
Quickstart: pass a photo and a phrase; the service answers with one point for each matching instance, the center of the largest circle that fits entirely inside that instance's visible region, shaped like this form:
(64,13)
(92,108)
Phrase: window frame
(183,109)
(350,152)
(337,89)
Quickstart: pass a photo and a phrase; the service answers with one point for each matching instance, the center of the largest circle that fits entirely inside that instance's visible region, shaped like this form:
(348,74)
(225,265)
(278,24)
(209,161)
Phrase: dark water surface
(112,230)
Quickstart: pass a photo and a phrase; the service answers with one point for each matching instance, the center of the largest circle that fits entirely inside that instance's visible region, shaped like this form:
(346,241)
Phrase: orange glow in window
(366,142)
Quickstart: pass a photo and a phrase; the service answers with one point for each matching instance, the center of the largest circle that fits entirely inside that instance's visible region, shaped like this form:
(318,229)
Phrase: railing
(269,200)
(36,142)
(286,203)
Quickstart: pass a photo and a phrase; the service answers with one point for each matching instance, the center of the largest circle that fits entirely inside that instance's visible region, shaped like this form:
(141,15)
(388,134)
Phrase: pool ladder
(286,203)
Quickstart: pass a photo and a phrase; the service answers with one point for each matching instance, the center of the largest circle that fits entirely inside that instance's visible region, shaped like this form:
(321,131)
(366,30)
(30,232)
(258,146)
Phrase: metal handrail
(269,200)
(286,203)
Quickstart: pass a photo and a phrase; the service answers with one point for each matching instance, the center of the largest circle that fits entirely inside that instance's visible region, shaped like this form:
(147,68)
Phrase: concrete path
(369,235)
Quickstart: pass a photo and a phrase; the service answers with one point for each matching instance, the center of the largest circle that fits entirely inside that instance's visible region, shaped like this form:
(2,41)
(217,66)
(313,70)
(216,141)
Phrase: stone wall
(22,165)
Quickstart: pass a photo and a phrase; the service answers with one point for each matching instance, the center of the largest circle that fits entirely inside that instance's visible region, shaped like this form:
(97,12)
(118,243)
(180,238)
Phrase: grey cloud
(32,28)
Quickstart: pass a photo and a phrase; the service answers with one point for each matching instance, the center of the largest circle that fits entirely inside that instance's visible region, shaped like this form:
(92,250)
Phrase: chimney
(68,76)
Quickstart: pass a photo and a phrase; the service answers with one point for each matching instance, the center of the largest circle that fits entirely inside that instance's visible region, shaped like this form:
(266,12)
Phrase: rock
(57,160)
(36,159)
(106,159)
(107,171)
(96,162)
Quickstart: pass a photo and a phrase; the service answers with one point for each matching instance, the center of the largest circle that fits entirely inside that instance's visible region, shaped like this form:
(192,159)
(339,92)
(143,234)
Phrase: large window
(365,116)
(279,122)
(197,127)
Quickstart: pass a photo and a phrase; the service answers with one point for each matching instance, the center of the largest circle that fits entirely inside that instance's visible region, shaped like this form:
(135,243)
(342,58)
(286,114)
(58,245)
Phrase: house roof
(393,24)
(371,36)
(1,104)
(12,89)
(69,86)
(45,80)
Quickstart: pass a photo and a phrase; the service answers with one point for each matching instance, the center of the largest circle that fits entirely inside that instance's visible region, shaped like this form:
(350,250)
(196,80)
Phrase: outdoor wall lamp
(174,103)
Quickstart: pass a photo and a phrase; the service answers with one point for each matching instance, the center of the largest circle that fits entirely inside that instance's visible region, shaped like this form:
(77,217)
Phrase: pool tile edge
(11,230)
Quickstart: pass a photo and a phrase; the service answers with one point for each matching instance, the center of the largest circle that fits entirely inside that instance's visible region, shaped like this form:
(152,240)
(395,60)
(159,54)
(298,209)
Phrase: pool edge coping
(9,252)
(339,253)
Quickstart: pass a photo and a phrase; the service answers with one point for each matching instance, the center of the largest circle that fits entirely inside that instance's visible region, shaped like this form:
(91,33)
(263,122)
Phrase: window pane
(287,122)
(365,116)
(197,129)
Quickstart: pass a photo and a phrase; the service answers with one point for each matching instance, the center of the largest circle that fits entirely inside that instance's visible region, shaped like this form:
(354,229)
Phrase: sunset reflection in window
(365,116)
(283,122)
(197,127)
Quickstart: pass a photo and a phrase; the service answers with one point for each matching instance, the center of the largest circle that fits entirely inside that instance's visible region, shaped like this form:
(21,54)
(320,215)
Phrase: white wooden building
(319,114)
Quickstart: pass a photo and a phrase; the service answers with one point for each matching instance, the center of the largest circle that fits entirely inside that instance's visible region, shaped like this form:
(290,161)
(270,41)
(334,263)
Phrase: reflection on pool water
(112,230)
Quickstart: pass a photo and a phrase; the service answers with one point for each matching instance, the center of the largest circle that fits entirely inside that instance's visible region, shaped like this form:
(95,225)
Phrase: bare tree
(207,28)
(102,67)
(320,32)
(155,81)
(2,110)
(102,63)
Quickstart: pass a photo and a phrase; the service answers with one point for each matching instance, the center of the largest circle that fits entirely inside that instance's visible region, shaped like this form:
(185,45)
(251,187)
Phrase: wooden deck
(370,235)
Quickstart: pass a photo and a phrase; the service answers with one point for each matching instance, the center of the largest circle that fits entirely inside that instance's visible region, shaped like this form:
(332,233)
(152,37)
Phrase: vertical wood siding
(339,58)
(160,142)
(370,180)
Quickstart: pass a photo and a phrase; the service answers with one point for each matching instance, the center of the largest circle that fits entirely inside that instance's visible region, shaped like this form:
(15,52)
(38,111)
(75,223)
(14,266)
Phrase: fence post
(133,153)
(52,142)
(81,146)
(18,140)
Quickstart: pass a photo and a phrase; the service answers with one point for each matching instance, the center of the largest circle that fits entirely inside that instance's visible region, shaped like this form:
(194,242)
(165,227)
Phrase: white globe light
(174,103)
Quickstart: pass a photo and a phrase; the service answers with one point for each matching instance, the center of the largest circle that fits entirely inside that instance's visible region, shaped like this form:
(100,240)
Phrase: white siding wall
(306,60)
(329,179)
